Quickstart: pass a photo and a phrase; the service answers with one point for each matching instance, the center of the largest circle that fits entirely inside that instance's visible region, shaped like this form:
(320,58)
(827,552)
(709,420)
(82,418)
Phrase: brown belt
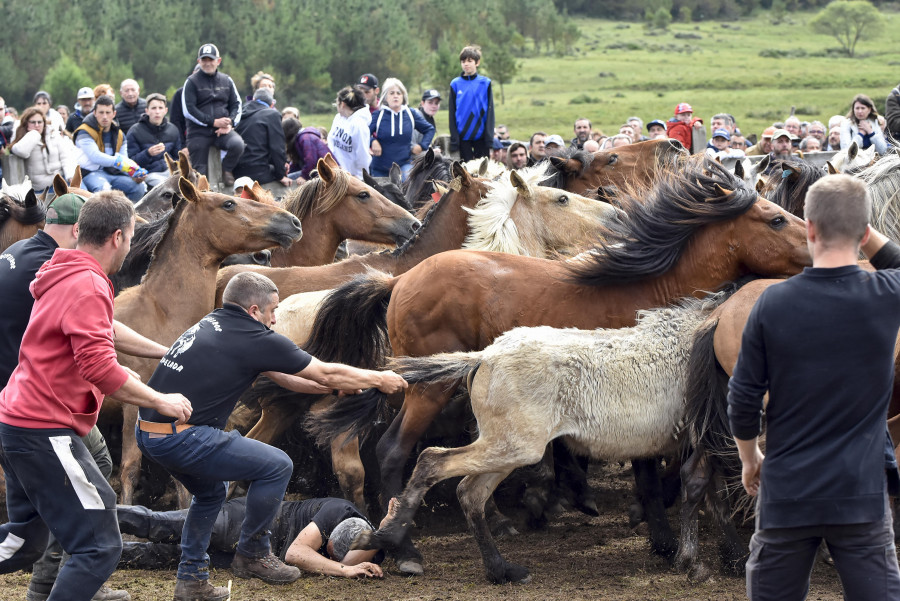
(158,428)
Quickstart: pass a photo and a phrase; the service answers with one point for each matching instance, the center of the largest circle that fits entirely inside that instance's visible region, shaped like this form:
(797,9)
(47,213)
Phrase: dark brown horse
(698,228)
(163,197)
(179,287)
(21,214)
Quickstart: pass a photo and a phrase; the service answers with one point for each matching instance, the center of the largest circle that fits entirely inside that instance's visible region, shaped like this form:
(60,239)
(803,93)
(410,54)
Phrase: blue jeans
(53,483)
(99,180)
(405,168)
(204,458)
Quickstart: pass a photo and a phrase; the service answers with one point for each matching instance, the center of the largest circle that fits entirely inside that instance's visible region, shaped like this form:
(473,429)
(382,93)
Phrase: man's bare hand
(391,382)
(750,472)
(156,149)
(174,405)
(362,570)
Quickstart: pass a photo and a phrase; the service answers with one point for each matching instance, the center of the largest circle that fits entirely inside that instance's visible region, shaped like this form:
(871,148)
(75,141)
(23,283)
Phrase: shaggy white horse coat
(611,393)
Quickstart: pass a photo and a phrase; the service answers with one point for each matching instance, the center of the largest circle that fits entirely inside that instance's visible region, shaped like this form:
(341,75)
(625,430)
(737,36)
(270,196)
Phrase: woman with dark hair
(45,155)
(349,137)
(862,126)
(305,147)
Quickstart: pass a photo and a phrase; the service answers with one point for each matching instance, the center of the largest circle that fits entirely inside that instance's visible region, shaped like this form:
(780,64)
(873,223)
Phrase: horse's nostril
(296,222)
(415,226)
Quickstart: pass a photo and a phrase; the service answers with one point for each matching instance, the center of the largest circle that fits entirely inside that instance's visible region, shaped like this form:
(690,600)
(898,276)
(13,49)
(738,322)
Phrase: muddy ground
(576,557)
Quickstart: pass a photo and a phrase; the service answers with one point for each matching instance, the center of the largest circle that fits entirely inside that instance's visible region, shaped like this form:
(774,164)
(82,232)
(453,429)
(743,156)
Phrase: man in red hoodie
(681,126)
(67,362)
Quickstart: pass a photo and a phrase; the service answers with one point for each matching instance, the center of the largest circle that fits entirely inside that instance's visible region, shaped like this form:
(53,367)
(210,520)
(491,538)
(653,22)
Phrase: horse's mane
(11,206)
(166,224)
(789,192)
(490,224)
(421,173)
(493,169)
(306,200)
(659,225)
(430,216)
(146,238)
(883,182)
(557,178)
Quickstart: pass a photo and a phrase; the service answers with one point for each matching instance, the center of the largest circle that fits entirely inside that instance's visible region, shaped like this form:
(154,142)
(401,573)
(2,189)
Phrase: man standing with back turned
(67,362)
(822,345)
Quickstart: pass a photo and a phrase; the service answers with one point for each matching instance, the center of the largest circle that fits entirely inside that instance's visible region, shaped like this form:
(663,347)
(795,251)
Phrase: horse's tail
(448,368)
(707,402)
(351,325)
(348,417)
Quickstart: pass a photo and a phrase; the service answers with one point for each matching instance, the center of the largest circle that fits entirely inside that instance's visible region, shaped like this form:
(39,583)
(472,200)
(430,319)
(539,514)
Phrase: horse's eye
(778,221)
(562,200)
(228,205)
(613,159)
(363,195)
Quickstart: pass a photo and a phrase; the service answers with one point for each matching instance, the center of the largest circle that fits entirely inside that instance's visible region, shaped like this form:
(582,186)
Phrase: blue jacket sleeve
(424,127)
(750,381)
(454,133)
(489,120)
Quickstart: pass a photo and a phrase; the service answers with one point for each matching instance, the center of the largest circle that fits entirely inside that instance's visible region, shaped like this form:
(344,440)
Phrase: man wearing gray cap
(212,108)
(264,155)
(85,102)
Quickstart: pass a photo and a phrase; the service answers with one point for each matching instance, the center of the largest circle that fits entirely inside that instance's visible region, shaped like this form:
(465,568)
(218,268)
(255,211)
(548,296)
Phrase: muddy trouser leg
(54,483)
(167,526)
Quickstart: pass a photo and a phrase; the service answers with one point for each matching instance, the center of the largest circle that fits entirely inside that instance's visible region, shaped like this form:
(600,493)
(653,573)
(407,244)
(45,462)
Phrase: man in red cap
(681,126)
(368,85)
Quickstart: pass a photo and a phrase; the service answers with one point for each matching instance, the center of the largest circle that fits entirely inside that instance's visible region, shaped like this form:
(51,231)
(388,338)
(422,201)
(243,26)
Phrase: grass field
(621,69)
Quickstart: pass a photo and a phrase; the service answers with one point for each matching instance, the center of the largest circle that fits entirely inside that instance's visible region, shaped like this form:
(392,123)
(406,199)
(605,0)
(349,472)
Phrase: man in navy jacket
(152,138)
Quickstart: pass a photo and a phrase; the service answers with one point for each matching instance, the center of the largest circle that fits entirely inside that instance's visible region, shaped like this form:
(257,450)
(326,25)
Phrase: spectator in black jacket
(132,107)
(152,137)
(264,155)
(212,108)
(892,113)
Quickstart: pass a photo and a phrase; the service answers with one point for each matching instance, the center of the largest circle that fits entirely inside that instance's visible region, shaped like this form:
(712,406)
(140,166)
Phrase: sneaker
(269,569)
(199,590)
(107,594)
(33,594)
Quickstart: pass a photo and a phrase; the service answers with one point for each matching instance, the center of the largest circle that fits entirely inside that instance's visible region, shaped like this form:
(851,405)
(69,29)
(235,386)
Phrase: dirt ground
(576,557)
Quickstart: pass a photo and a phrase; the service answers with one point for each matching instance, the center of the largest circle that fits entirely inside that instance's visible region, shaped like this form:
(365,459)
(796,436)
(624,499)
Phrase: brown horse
(21,214)
(698,228)
(179,288)
(337,206)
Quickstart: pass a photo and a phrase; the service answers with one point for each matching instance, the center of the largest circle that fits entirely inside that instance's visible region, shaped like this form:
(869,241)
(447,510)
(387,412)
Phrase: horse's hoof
(635,515)
(410,567)
(699,573)
(510,573)
(587,506)
(364,541)
(504,528)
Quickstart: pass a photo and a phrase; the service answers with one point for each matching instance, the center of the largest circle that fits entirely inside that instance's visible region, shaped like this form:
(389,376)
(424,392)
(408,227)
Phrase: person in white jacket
(44,154)
(349,137)
(862,126)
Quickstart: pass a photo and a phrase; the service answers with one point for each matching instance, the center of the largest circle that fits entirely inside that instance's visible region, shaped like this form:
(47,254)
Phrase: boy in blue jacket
(471,108)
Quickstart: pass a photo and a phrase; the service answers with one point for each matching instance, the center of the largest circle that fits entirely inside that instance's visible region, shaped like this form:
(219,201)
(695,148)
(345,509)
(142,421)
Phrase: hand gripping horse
(698,228)
(608,393)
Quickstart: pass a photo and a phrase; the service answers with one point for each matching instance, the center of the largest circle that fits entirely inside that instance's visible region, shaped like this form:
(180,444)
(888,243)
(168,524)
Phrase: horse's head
(19,220)
(851,159)
(427,168)
(235,225)
(390,187)
(541,221)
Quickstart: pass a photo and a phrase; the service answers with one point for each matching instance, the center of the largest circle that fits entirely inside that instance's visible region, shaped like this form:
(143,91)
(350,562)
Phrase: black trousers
(473,149)
(200,139)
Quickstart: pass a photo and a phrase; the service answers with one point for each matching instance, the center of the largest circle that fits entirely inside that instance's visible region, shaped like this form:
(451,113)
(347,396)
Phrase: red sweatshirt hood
(64,263)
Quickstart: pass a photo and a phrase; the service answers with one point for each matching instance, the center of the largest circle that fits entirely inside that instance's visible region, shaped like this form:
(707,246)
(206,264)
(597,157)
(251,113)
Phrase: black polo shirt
(325,513)
(18,264)
(217,359)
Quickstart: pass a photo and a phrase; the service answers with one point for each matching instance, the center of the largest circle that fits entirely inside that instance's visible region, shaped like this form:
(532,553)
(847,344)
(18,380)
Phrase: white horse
(609,393)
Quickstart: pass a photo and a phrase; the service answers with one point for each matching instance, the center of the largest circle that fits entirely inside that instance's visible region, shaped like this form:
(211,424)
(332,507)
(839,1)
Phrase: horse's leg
(348,468)
(571,474)
(540,482)
(276,418)
(733,551)
(130,464)
(649,491)
(473,491)
(500,524)
(695,479)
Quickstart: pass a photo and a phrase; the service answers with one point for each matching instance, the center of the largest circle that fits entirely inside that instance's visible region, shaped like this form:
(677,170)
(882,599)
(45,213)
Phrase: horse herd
(484,292)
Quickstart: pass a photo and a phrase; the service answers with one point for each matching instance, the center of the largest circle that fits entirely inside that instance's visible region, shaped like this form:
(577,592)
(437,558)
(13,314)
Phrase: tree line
(312,47)
(687,10)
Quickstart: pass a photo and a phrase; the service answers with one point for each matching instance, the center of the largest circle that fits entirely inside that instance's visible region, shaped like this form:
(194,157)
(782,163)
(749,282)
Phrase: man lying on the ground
(314,535)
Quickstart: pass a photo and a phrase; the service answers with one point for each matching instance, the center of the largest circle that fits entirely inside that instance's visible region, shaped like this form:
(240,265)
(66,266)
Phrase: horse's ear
(30,199)
(43,197)
(718,159)
(457,170)
(852,151)
(184,163)
(794,170)
(326,171)
(170,164)
(59,185)
(202,183)
(368,179)
(429,157)
(396,174)
(187,189)
(76,177)
(739,169)
(331,161)
(760,185)
(722,191)
(570,165)
(483,167)
(763,163)
(516,180)
(831,169)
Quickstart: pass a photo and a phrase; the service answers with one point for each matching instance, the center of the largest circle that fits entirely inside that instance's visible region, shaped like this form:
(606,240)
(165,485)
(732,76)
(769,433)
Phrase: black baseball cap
(208,51)
(368,81)
(429,94)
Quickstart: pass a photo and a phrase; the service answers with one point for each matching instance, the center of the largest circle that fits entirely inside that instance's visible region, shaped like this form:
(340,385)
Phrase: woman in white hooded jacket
(44,154)
(861,126)
(349,137)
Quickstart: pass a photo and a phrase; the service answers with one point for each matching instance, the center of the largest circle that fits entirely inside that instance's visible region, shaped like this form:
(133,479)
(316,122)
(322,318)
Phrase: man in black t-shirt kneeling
(213,363)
